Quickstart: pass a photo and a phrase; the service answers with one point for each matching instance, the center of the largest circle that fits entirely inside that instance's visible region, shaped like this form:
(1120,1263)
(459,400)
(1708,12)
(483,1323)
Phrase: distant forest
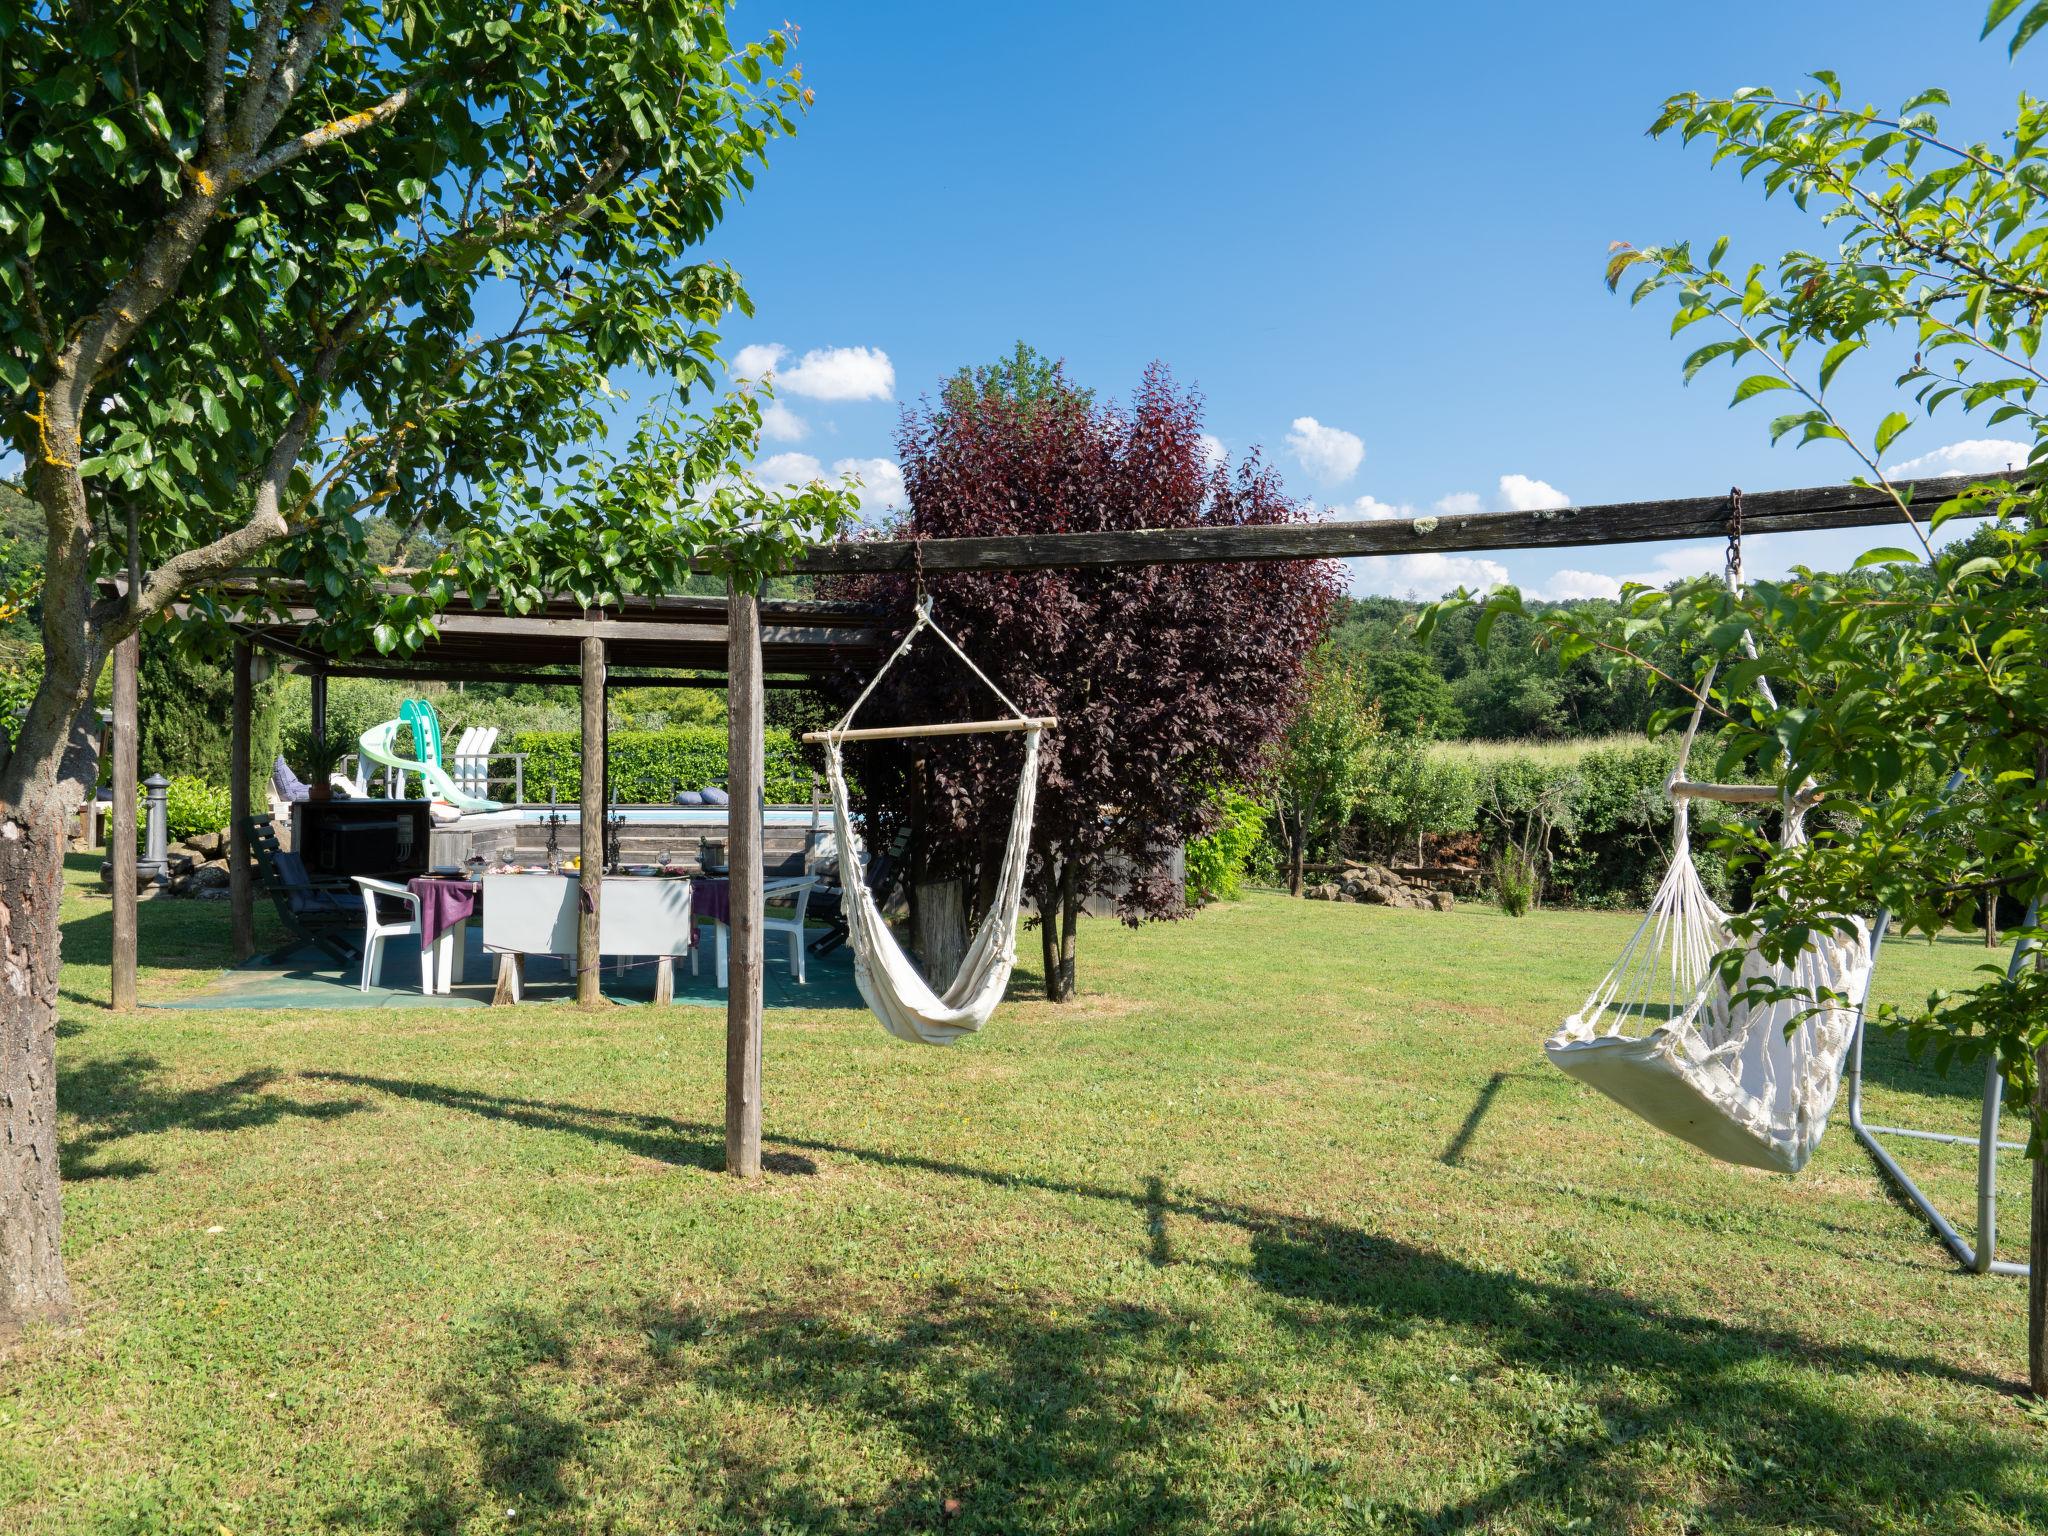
(1451,687)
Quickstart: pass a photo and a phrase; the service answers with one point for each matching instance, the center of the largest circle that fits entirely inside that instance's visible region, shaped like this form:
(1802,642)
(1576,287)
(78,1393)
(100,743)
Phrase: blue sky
(1385,221)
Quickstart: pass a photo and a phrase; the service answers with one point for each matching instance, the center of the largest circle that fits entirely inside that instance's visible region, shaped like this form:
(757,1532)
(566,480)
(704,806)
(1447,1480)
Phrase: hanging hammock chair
(909,1007)
(1665,1037)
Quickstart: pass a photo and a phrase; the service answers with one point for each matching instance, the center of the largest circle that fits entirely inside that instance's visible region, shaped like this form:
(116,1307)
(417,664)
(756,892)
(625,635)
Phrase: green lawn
(1285,1227)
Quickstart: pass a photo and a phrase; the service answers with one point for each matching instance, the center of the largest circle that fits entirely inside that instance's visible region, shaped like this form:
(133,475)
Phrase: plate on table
(448,872)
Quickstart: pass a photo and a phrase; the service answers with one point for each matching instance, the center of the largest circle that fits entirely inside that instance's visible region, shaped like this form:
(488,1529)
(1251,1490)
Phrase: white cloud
(758,361)
(1460,501)
(1519,493)
(1570,586)
(1370,509)
(788,469)
(840,373)
(1213,451)
(1666,566)
(779,424)
(1977,456)
(823,373)
(1425,576)
(881,481)
(1331,454)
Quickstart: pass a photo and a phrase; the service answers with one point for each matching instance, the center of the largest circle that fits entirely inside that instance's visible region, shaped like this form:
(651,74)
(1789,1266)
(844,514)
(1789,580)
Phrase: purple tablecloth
(712,899)
(443,904)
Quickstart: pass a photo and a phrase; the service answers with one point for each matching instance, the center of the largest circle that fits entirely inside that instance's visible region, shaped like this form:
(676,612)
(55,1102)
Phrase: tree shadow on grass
(114,1098)
(1607,1409)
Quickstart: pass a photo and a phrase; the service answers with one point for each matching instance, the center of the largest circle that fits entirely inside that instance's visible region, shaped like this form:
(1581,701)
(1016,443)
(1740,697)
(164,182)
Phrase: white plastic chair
(376,930)
(791,927)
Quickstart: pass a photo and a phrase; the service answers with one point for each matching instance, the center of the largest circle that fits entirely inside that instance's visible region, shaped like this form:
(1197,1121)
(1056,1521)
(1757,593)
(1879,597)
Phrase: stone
(1324,892)
(208,877)
(1442,901)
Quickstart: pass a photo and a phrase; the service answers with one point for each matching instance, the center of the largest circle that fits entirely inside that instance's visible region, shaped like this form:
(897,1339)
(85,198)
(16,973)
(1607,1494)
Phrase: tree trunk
(939,930)
(1059,976)
(32,1283)
(1297,854)
(1046,899)
(54,765)
(2037,1239)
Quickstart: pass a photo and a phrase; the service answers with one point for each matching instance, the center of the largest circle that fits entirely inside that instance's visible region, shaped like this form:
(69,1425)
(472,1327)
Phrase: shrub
(191,807)
(1216,864)
(1417,793)
(648,767)
(1514,881)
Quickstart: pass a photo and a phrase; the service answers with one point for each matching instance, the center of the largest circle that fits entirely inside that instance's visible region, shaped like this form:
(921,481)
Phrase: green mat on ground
(305,976)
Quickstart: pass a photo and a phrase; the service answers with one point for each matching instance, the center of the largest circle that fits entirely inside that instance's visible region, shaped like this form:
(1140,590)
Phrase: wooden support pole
(744,776)
(241,891)
(319,705)
(590,832)
(121,824)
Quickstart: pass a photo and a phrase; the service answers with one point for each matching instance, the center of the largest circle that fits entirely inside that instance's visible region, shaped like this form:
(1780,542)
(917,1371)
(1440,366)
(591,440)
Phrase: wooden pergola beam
(1809,510)
(453,674)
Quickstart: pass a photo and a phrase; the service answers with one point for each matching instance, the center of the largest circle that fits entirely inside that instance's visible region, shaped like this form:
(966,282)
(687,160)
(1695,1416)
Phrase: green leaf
(1889,429)
(1837,355)
(1889,555)
(1757,384)
(13,372)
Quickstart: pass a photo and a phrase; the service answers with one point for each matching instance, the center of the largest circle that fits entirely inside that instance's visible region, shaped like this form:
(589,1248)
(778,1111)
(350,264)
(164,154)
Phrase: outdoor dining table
(641,916)
(447,902)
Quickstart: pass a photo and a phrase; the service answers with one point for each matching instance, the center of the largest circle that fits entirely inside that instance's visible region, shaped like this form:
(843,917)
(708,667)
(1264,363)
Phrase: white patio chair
(377,929)
(470,764)
(791,927)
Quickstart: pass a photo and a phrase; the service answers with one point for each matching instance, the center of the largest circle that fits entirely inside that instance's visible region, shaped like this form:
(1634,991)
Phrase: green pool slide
(378,744)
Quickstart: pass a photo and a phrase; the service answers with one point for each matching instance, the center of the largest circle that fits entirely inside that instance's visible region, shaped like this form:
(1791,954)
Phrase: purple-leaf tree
(1171,682)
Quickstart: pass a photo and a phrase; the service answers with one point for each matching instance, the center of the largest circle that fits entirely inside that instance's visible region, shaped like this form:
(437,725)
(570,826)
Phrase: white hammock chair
(1667,1039)
(909,1007)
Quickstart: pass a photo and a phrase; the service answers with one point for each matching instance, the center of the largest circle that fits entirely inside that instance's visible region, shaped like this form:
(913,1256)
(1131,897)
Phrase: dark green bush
(648,767)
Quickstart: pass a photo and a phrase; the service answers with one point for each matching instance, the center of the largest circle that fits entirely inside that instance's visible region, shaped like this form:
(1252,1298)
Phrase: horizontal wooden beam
(433,674)
(1631,522)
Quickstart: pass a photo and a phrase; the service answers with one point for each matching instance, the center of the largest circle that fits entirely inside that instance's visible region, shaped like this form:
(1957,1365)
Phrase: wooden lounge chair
(326,913)
(884,872)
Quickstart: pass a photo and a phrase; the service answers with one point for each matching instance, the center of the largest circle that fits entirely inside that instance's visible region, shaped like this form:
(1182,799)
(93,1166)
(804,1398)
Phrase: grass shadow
(118,1097)
(1625,1410)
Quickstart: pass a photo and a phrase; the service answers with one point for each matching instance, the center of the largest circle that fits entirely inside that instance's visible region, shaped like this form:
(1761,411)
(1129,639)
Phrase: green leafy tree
(1326,757)
(270,266)
(1927,660)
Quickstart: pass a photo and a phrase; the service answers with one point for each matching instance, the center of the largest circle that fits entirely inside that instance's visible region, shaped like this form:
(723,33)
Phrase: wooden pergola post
(743,781)
(241,892)
(590,843)
(318,683)
(121,824)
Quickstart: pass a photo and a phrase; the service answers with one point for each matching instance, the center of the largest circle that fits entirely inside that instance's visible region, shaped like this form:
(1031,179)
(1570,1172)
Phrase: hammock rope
(908,1006)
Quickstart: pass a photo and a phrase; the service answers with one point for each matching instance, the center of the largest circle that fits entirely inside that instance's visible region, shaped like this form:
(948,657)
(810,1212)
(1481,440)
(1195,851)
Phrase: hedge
(648,767)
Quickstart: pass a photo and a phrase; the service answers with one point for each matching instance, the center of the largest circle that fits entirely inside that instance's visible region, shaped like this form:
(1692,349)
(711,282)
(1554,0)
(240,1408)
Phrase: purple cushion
(688,797)
(289,788)
(716,797)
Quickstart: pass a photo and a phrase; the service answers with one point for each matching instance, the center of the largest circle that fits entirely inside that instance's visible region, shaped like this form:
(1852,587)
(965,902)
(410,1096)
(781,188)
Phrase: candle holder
(553,822)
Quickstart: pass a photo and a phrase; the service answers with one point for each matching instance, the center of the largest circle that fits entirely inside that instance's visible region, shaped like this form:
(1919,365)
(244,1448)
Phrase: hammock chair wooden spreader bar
(948,728)
(909,1006)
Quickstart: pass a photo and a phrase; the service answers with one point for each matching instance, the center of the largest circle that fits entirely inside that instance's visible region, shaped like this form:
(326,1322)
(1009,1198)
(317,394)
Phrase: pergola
(738,641)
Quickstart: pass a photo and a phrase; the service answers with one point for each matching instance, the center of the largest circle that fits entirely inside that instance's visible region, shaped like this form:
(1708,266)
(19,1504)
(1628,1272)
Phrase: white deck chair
(470,764)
